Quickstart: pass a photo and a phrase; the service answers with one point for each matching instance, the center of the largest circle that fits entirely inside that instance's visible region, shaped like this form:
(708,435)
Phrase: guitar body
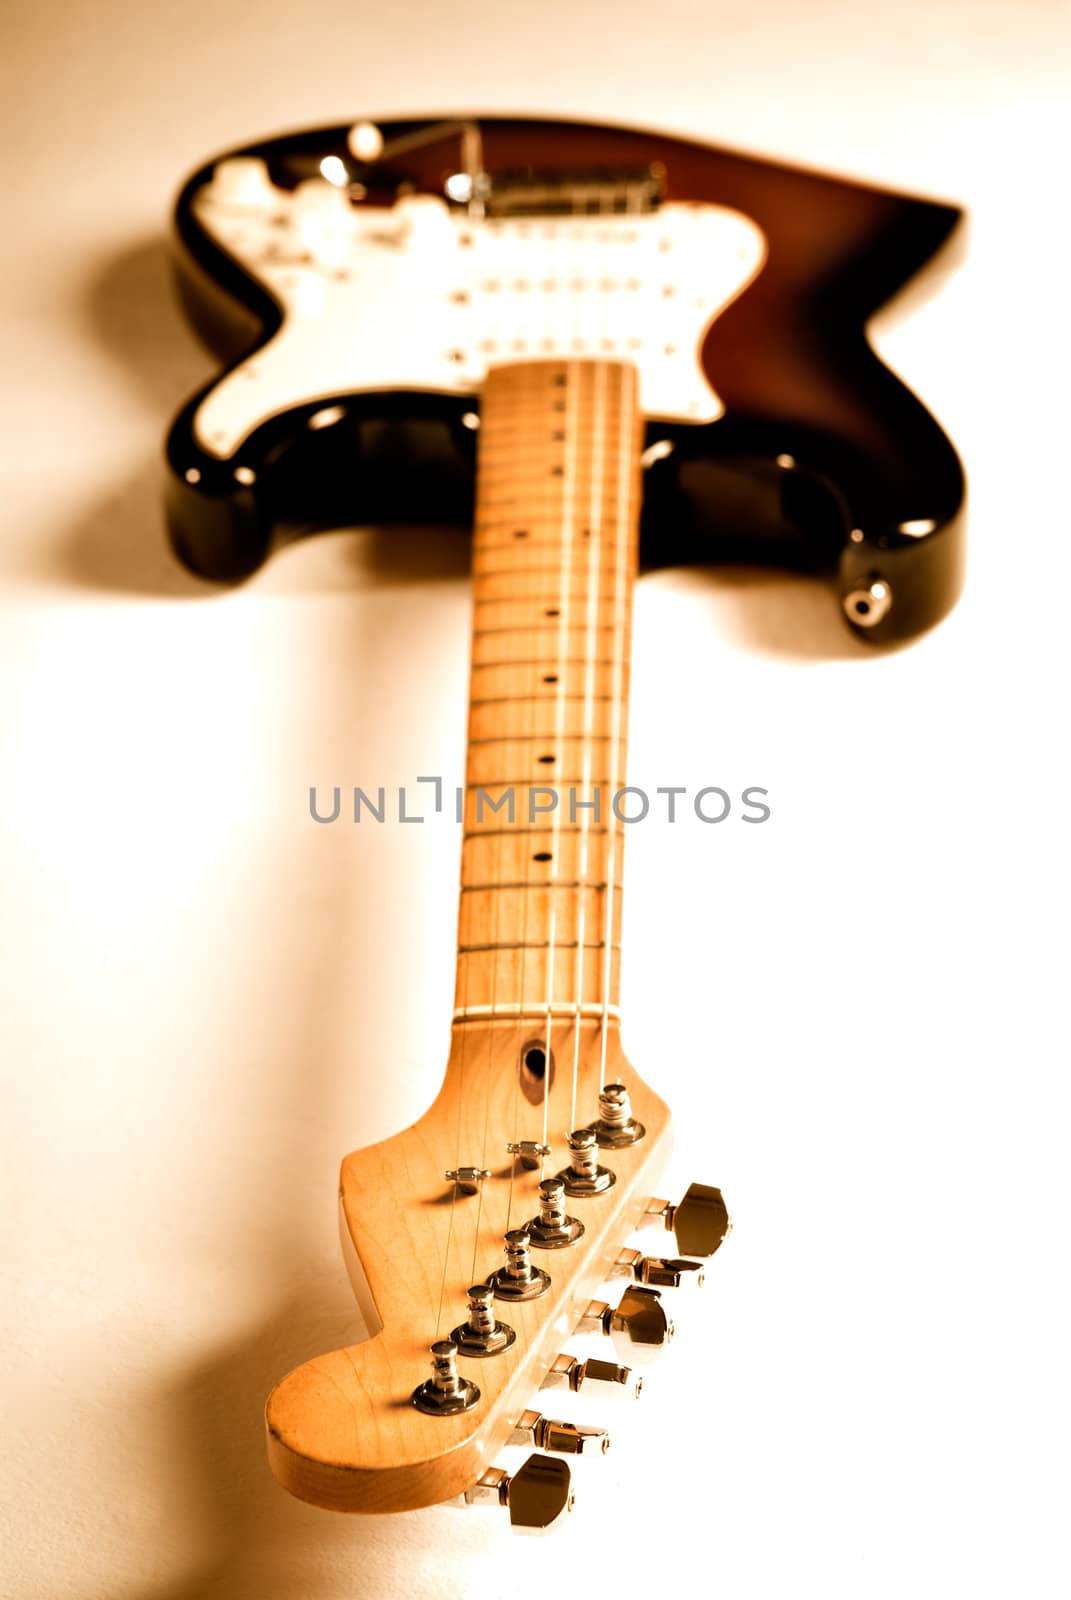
(816,457)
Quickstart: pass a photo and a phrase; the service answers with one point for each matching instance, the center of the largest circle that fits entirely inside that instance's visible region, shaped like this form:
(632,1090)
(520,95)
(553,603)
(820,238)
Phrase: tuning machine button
(593,1377)
(530,1153)
(638,1324)
(700,1222)
(661,1271)
(565,1438)
(467,1180)
(537,1495)
(584,1176)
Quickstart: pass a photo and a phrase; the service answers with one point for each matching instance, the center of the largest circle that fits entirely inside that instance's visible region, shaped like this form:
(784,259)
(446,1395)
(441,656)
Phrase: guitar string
(496,955)
(593,600)
(457,1151)
(529,724)
(567,517)
(626,489)
(496,852)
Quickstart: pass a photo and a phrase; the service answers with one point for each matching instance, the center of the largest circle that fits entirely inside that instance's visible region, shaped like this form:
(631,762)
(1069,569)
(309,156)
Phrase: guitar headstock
(457,1235)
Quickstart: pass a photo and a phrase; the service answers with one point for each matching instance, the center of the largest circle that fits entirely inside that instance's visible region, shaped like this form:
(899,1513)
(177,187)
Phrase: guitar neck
(555,550)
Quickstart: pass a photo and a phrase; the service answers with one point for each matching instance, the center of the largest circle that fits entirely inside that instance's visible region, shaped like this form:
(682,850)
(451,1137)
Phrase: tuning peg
(700,1221)
(530,1153)
(597,1377)
(537,1495)
(638,1322)
(565,1438)
(663,1272)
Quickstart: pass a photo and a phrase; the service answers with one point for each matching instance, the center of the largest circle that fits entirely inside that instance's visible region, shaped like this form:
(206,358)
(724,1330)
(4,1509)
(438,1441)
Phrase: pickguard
(422,297)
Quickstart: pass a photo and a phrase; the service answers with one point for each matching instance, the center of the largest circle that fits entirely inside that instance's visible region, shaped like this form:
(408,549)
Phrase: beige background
(207,999)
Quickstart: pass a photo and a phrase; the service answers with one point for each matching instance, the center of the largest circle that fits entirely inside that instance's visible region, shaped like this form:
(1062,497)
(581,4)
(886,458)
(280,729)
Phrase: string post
(519,1279)
(482,1334)
(616,1127)
(553,1229)
(584,1177)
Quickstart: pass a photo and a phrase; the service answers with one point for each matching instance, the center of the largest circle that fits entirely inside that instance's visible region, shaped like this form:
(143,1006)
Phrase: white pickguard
(421,297)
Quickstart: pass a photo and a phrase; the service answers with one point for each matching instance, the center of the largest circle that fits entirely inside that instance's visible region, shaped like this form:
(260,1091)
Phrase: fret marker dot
(551,677)
(546,761)
(552,611)
(520,533)
(542,855)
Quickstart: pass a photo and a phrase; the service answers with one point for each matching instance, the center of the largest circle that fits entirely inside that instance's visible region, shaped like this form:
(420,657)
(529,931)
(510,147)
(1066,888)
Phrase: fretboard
(555,544)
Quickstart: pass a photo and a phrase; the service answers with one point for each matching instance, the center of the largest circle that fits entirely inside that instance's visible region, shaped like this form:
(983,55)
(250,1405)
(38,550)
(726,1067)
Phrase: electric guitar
(594,345)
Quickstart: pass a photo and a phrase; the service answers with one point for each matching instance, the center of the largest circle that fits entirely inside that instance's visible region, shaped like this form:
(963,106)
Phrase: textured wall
(207,998)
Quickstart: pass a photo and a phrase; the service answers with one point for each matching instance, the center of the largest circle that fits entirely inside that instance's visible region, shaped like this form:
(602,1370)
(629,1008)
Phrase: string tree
(529,1152)
(467,1180)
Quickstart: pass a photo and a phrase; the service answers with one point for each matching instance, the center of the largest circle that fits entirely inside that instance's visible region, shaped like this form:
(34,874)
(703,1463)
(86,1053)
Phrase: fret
(511,832)
(529,944)
(546,779)
(541,661)
(556,883)
(507,978)
(538,699)
(554,558)
(532,738)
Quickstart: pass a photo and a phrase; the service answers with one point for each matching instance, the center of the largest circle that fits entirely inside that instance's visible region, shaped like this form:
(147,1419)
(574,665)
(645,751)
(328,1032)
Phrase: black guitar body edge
(824,460)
